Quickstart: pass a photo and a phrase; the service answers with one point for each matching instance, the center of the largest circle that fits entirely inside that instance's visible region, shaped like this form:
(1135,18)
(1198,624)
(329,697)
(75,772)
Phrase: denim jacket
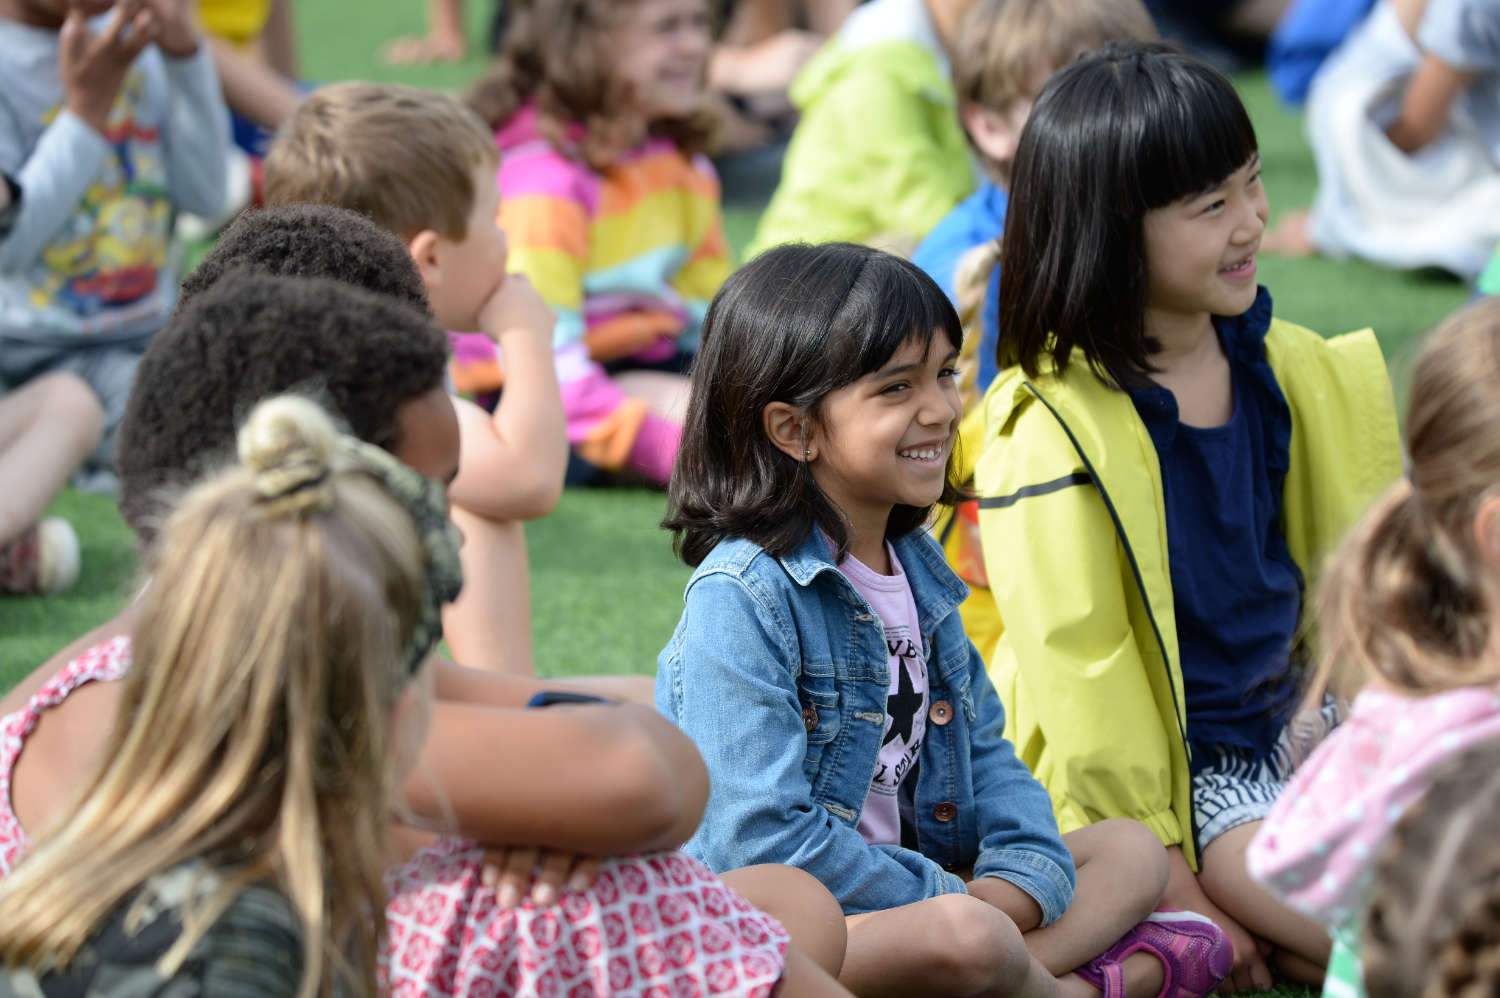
(778,670)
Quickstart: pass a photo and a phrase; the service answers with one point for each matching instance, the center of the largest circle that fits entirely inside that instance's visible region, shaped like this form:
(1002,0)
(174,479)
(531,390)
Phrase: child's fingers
(144,29)
(73,38)
(585,872)
(509,872)
(552,872)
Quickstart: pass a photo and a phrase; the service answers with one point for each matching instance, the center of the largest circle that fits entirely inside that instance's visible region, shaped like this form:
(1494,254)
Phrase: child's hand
(516,305)
(541,875)
(94,66)
(179,32)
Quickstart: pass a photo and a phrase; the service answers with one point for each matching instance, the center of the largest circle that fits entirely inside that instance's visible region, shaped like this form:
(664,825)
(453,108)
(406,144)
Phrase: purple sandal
(1195,955)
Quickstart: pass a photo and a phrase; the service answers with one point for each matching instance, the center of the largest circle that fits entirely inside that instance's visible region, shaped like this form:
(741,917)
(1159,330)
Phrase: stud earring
(807,453)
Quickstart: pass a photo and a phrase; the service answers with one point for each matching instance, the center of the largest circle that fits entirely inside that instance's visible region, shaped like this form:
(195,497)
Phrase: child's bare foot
(421,50)
(1292,236)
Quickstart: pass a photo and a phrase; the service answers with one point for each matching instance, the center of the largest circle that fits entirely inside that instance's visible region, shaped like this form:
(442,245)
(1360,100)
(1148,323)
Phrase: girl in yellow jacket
(1164,467)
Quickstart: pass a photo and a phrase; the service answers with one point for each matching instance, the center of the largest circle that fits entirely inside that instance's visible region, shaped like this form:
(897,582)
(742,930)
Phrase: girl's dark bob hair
(794,324)
(1116,134)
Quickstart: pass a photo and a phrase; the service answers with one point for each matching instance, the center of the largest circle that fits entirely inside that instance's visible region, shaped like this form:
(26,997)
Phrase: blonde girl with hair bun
(1408,614)
(234,841)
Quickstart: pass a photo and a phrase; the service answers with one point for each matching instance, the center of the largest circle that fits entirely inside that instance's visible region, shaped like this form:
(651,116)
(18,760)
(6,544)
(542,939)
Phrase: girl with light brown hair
(1408,614)
(234,838)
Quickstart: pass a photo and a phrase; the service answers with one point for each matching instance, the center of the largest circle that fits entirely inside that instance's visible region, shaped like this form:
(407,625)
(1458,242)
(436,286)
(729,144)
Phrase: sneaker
(43,561)
(1195,955)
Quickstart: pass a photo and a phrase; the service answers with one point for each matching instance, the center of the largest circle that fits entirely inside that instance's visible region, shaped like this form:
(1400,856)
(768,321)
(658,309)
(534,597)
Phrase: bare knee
(810,914)
(1125,850)
(974,948)
(68,402)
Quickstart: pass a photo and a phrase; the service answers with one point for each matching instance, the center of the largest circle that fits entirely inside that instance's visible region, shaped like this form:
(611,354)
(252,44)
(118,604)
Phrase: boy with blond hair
(422,166)
(1004,52)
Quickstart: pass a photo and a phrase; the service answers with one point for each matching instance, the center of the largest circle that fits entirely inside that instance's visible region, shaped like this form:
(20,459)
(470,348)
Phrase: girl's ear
(786,425)
(1487,533)
(426,252)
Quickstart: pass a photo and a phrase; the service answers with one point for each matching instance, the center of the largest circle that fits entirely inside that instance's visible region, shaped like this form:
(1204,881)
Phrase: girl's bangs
(891,304)
(1197,136)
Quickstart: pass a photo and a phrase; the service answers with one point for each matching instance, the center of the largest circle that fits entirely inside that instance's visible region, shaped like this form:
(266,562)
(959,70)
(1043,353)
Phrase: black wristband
(549,698)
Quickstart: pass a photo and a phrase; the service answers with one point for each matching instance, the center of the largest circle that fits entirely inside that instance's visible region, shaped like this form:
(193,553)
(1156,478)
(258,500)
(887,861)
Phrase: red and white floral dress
(656,926)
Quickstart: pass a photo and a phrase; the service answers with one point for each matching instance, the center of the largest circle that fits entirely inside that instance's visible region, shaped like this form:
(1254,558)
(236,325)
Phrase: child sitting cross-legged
(820,665)
(422,166)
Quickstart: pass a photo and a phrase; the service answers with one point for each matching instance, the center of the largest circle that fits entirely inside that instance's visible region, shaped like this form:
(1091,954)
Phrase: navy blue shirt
(1237,591)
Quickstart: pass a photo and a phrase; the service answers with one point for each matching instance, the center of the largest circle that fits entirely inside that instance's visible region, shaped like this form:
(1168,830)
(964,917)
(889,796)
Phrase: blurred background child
(611,209)
(113,121)
(233,836)
(1165,466)
(1404,123)
(1408,613)
(422,166)
(878,156)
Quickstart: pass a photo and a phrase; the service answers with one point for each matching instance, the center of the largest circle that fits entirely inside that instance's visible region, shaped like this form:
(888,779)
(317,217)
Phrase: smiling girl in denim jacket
(821,667)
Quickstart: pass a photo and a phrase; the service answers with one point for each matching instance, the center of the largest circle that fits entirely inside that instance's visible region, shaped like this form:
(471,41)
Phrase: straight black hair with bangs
(793,325)
(1114,135)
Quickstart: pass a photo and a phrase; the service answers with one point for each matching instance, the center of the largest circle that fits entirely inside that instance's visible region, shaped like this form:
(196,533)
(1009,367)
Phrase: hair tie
(425,500)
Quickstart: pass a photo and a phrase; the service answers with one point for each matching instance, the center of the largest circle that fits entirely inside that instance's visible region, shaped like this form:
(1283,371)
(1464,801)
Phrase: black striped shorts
(1235,788)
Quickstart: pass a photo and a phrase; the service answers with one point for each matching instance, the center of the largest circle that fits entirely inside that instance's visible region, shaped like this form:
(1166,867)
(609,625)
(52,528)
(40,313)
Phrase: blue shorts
(1235,789)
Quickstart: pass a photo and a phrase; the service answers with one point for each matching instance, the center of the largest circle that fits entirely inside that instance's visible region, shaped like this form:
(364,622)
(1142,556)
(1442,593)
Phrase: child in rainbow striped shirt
(611,210)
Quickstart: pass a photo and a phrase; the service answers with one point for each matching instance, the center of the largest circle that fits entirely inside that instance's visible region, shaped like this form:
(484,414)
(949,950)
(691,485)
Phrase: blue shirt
(779,672)
(979,218)
(1236,590)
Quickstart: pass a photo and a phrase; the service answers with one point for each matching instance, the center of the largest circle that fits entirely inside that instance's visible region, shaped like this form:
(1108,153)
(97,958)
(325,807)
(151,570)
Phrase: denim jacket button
(809,718)
(946,811)
(940,713)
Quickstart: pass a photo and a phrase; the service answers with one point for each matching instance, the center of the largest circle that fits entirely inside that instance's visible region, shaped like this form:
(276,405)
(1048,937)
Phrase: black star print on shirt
(902,707)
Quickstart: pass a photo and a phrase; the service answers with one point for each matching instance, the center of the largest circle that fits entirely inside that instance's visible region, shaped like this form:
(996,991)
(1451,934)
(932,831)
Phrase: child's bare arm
(514,461)
(1424,109)
(251,87)
(587,778)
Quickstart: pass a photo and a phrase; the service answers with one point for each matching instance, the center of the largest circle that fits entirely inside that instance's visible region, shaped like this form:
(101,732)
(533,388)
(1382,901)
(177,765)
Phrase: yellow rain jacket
(1072,520)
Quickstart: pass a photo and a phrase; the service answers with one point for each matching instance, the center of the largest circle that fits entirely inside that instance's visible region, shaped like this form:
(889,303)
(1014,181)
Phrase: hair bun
(287,444)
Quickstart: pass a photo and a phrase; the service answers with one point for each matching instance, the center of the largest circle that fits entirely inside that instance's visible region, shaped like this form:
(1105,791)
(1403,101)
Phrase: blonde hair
(1433,926)
(1005,48)
(404,156)
(252,729)
(1407,596)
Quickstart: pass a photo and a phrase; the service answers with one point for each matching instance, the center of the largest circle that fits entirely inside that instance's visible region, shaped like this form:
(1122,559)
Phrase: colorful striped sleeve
(546,203)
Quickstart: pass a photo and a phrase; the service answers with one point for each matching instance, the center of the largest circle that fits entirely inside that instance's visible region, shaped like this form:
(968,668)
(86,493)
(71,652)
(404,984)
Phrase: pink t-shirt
(1318,846)
(906,705)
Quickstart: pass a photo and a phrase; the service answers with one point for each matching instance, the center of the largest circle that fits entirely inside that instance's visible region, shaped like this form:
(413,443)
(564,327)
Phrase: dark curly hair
(250,336)
(312,240)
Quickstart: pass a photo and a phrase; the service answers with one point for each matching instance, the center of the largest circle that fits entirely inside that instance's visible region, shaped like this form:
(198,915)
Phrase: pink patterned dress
(655,926)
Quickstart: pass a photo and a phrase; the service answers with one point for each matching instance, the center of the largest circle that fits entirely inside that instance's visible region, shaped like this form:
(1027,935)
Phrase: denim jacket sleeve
(1018,836)
(729,680)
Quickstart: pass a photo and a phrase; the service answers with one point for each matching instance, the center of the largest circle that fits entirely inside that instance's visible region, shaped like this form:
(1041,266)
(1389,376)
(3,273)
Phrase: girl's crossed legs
(958,944)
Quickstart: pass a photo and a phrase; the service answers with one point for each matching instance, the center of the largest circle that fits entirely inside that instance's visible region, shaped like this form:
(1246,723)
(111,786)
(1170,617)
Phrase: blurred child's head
(374,361)
(1433,926)
(1411,595)
(415,161)
(255,730)
(1136,186)
(760,447)
(312,240)
(603,73)
(51,13)
(1006,50)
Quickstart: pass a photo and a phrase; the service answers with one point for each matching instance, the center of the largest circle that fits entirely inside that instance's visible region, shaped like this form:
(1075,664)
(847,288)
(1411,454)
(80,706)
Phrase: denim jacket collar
(936,590)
